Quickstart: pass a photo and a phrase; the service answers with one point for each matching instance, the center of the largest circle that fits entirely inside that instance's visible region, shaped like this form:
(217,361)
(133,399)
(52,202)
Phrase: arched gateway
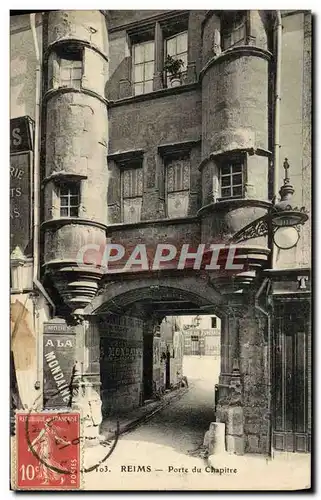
(120,324)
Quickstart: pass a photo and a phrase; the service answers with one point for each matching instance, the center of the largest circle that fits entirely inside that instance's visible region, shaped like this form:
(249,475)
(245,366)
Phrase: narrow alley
(167,450)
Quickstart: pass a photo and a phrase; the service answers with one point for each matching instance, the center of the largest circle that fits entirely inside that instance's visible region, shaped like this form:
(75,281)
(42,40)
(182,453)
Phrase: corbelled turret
(76,177)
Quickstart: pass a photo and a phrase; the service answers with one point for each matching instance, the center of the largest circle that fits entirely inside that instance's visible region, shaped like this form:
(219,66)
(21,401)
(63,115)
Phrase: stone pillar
(86,380)
(195,181)
(229,342)
(150,205)
(230,399)
(159,58)
(194,42)
(243,403)
(255,377)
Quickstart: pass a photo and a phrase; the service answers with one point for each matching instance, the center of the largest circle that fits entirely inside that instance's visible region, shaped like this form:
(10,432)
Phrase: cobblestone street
(166,452)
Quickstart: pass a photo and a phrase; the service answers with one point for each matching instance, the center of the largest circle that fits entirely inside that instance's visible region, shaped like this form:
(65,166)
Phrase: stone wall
(244,389)
(121,363)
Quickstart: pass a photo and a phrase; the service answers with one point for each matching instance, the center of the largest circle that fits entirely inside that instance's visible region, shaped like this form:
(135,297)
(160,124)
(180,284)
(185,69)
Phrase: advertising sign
(21,145)
(59,347)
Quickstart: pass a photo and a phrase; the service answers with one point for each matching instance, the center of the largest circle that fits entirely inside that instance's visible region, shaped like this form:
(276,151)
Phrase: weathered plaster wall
(154,122)
(147,125)
(295,126)
(23,65)
(117,18)
(26,320)
(152,234)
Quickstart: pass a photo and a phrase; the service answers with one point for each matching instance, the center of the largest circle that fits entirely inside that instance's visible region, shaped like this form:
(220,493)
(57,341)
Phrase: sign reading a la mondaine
(59,348)
(20,184)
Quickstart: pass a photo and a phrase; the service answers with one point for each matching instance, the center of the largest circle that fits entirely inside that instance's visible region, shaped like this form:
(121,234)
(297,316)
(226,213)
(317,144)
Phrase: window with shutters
(132,193)
(233,29)
(177,187)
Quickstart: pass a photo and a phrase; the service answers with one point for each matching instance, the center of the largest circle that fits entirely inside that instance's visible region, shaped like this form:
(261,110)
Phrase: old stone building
(126,152)
(202,335)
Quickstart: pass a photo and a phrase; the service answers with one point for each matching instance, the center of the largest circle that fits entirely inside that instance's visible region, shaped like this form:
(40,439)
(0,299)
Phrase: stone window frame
(229,171)
(135,166)
(170,29)
(157,31)
(229,26)
(69,185)
(143,63)
(64,52)
(230,159)
(167,165)
(137,37)
(170,152)
(126,161)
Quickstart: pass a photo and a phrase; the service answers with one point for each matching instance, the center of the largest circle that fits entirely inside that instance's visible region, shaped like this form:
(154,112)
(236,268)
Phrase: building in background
(123,151)
(202,335)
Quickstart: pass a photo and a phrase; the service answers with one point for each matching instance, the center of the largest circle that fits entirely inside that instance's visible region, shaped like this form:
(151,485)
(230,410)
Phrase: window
(177,187)
(143,67)
(69,200)
(232,180)
(233,30)
(176,46)
(71,69)
(213,322)
(132,193)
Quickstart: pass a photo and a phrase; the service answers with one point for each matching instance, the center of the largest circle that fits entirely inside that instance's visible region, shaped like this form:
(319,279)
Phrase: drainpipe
(277,110)
(36,169)
(265,282)
(36,156)
(36,197)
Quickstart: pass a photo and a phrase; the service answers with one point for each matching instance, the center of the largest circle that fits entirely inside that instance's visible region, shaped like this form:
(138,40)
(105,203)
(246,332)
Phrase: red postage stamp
(48,450)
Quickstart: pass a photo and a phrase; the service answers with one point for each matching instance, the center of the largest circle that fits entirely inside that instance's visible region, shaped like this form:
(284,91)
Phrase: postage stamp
(48,450)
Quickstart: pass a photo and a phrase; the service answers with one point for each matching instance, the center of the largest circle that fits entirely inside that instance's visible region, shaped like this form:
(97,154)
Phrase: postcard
(160,250)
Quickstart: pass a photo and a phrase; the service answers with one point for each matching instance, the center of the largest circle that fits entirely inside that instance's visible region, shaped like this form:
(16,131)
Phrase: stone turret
(76,139)
(235,129)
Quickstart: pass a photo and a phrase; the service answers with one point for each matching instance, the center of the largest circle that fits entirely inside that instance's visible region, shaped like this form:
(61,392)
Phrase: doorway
(291,368)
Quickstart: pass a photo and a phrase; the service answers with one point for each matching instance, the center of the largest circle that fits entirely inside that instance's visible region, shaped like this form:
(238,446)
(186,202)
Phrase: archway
(125,314)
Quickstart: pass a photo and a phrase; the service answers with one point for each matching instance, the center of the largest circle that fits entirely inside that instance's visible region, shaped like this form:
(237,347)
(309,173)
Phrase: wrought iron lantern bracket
(280,214)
